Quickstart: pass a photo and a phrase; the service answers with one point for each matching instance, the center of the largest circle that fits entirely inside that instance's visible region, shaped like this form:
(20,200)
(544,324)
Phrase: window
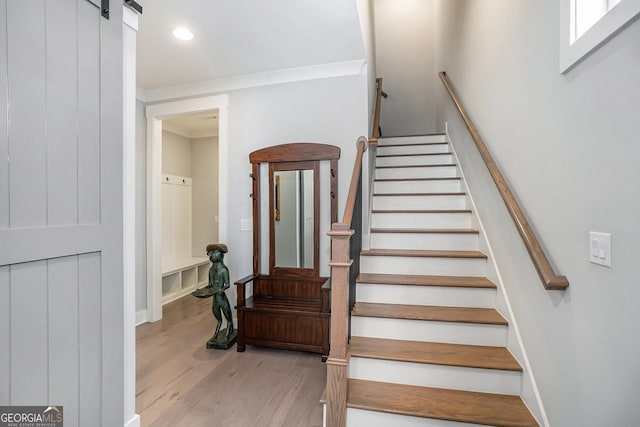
(587,24)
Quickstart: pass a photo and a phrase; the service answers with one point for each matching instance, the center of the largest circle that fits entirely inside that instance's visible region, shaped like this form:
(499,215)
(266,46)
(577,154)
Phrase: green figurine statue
(218,284)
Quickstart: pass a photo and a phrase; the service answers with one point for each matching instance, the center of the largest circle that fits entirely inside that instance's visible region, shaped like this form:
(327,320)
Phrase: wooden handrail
(355,177)
(550,279)
(375,132)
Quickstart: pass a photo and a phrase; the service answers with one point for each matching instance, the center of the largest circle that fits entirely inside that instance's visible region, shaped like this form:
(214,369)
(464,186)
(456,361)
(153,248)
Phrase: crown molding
(141,94)
(286,75)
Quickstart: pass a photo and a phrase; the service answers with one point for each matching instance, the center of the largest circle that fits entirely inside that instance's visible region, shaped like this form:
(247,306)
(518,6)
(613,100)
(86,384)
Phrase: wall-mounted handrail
(375,132)
(550,279)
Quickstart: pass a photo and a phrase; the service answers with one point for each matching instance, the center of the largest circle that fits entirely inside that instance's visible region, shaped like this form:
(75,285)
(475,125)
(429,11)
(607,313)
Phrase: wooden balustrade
(550,279)
(341,232)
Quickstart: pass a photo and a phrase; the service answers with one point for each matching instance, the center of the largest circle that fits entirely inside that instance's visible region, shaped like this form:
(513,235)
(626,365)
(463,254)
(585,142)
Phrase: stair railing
(344,270)
(550,279)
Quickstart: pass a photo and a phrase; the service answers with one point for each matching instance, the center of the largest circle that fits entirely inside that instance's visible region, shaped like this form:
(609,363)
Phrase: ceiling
(197,125)
(242,37)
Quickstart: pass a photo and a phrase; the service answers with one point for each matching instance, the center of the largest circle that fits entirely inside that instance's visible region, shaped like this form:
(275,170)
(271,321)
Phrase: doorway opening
(178,203)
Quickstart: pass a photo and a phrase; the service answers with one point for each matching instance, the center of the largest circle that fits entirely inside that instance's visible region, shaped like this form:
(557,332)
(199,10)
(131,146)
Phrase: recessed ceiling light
(182,33)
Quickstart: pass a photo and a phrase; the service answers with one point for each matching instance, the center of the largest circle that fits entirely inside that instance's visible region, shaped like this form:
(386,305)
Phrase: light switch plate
(600,248)
(246,224)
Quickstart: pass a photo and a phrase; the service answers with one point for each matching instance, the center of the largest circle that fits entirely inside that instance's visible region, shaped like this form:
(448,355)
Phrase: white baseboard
(141,317)
(133,422)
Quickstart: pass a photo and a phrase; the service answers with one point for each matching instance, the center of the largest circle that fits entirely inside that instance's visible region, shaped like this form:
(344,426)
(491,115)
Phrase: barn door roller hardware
(133,5)
(104,7)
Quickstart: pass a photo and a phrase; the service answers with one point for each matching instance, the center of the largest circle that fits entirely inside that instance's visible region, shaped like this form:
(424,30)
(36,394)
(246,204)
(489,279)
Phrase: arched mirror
(294,205)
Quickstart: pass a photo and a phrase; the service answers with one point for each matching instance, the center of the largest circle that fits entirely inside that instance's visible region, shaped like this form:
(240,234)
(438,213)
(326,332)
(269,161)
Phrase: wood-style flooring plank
(470,356)
(452,405)
(423,253)
(180,382)
(429,312)
(426,280)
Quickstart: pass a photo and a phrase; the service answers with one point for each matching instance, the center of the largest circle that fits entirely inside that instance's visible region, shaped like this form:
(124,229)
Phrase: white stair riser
(383,150)
(419,172)
(445,241)
(441,376)
(421,220)
(411,140)
(426,295)
(364,418)
(420,202)
(432,159)
(423,330)
(430,186)
(423,265)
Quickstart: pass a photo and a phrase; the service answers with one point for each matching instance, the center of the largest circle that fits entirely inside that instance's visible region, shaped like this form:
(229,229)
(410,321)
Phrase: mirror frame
(283,156)
(294,166)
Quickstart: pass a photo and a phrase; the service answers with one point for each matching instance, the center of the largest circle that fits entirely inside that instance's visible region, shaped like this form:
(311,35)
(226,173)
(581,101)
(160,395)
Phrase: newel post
(337,363)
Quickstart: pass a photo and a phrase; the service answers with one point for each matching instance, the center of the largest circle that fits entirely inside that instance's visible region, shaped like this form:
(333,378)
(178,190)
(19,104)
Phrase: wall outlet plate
(600,248)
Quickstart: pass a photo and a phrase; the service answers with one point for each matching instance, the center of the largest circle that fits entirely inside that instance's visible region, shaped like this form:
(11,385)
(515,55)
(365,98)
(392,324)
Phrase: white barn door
(61,293)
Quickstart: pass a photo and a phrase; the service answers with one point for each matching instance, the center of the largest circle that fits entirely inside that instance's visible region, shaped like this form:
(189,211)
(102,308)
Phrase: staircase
(427,345)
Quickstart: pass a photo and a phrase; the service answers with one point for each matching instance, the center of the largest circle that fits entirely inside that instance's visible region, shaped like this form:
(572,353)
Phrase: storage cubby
(171,284)
(182,279)
(203,274)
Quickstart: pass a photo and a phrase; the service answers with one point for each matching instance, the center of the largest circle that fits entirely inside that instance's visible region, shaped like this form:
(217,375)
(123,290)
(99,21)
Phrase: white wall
(568,145)
(204,170)
(404,31)
(366,16)
(176,154)
(330,110)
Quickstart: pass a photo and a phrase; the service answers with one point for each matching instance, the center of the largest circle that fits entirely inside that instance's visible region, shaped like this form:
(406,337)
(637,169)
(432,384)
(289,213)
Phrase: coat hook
(333,173)
(333,195)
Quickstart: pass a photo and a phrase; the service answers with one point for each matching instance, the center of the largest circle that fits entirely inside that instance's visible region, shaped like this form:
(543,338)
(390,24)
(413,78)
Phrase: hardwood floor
(181,383)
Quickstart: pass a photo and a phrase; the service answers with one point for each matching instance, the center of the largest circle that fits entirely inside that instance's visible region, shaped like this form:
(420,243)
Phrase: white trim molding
(129,30)
(287,75)
(621,15)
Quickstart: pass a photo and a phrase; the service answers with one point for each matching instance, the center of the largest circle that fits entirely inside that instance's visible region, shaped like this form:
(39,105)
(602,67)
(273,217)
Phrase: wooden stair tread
(470,356)
(421,211)
(429,313)
(412,154)
(438,178)
(426,230)
(444,404)
(443,193)
(416,166)
(413,135)
(426,280)
(427,253)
